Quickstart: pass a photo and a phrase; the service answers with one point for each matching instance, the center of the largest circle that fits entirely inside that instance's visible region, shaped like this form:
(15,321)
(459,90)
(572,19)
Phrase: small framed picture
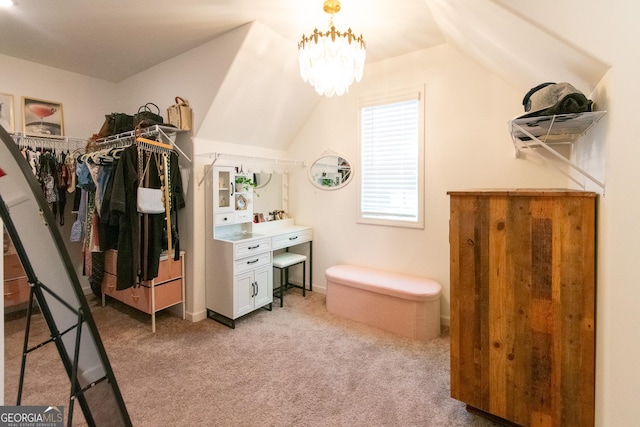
(42,118)
(7,120)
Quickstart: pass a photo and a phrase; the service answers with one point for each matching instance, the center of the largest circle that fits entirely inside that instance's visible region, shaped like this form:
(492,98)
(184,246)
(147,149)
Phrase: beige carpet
(295,366)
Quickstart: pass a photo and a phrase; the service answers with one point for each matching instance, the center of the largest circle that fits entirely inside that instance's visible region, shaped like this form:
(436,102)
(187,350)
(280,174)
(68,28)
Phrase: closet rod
(154,130)
(216,156)
(22,139)
(226,156)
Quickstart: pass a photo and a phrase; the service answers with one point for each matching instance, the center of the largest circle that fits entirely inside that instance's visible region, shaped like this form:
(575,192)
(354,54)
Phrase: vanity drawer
(224,218)
(290,239)
(252,247)
(244,216)
(251,262)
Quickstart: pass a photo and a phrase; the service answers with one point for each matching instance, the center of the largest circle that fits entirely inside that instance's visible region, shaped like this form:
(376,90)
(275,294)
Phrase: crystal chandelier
(331,61)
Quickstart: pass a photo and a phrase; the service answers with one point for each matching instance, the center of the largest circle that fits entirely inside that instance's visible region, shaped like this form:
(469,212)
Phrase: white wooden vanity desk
(284,234)
(239,274)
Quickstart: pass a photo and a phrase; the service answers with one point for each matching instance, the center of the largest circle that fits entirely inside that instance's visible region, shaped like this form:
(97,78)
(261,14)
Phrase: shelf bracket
(522,133)
(563,159)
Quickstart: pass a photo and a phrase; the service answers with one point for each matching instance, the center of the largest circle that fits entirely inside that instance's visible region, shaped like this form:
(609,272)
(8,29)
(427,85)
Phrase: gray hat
(548,99)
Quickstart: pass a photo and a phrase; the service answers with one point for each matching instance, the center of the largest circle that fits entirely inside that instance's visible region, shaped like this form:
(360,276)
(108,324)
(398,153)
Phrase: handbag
(116,123)
(148,200)
(180,115)
(146,117)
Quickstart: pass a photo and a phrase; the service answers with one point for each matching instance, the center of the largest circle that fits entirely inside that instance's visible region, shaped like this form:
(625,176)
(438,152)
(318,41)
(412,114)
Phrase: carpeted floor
(294,366)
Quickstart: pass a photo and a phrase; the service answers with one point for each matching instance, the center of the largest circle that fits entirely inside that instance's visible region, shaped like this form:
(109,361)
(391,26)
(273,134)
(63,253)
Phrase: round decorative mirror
(330,172)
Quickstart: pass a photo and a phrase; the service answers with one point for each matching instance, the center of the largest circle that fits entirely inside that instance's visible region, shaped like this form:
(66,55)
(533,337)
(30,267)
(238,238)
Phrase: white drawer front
(252,247)
(290,239)
(251,262)
(224,218)
(244,216)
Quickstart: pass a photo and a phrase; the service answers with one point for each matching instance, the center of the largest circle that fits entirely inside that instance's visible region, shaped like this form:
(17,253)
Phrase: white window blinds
(390,156)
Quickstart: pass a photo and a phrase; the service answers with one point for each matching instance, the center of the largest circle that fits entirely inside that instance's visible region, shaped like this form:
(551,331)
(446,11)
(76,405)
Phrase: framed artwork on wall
(7,120)
(42,118)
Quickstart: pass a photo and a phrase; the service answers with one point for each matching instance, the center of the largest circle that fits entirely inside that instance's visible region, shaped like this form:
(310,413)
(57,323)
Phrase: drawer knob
(135,298)
(111,288)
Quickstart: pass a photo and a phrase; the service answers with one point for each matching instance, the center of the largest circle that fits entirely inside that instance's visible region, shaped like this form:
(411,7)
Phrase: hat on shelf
(548,99)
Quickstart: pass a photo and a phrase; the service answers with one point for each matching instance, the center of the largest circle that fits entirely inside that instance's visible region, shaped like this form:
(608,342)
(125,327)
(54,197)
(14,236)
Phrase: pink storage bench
(398,303)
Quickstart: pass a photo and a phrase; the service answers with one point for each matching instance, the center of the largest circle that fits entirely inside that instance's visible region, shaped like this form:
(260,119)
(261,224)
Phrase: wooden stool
(282,262)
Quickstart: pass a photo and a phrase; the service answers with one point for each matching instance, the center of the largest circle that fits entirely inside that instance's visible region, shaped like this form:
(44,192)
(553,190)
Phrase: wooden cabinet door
(244,291)
(522,305)
(264,281)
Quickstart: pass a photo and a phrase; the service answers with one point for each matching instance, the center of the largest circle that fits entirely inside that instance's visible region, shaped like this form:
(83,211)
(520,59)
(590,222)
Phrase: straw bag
(180,115)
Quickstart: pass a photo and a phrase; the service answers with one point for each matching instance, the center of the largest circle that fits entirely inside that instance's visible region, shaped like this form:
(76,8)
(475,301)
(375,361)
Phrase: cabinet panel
(16,286)
(223,189)
(522,304)
(244,290)
(264,286)
(16,291)
(168,269)
(151,296)
(13,267)
(166,294)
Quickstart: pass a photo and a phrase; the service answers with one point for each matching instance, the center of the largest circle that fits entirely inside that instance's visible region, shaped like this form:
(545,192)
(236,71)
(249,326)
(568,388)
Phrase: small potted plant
(244,183)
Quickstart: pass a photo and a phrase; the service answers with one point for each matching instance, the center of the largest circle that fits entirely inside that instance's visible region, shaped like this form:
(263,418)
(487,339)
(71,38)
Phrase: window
(391,160)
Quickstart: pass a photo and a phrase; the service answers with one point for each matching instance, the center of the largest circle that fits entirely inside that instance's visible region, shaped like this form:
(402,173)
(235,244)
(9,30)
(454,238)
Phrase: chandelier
(332,60)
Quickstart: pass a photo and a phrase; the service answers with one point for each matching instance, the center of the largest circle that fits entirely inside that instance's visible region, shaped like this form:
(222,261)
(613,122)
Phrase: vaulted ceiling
(116,39)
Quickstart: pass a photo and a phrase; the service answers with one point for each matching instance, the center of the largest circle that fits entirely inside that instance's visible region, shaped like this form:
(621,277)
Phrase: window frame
(392,97)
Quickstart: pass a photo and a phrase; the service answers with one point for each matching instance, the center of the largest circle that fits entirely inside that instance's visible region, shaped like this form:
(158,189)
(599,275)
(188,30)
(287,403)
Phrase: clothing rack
(51,144)
(164,135)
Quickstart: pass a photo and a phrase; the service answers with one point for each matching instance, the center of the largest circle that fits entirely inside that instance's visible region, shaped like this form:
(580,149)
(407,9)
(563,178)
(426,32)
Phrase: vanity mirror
(330,172)
(269,194)
(262,179)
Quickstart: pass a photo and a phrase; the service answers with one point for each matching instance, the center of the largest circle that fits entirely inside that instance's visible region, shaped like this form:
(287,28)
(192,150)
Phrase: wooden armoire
(522,304)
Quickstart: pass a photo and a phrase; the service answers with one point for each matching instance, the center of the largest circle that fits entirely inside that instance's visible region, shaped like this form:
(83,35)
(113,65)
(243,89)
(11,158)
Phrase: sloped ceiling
(517,50)
(262,100)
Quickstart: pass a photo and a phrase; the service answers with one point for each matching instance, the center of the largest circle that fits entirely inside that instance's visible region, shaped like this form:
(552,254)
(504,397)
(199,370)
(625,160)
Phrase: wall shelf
(548,132)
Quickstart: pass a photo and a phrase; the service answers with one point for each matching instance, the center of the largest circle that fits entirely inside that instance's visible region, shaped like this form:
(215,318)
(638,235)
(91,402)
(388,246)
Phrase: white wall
(467,146)
(606,30)
(84,101)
